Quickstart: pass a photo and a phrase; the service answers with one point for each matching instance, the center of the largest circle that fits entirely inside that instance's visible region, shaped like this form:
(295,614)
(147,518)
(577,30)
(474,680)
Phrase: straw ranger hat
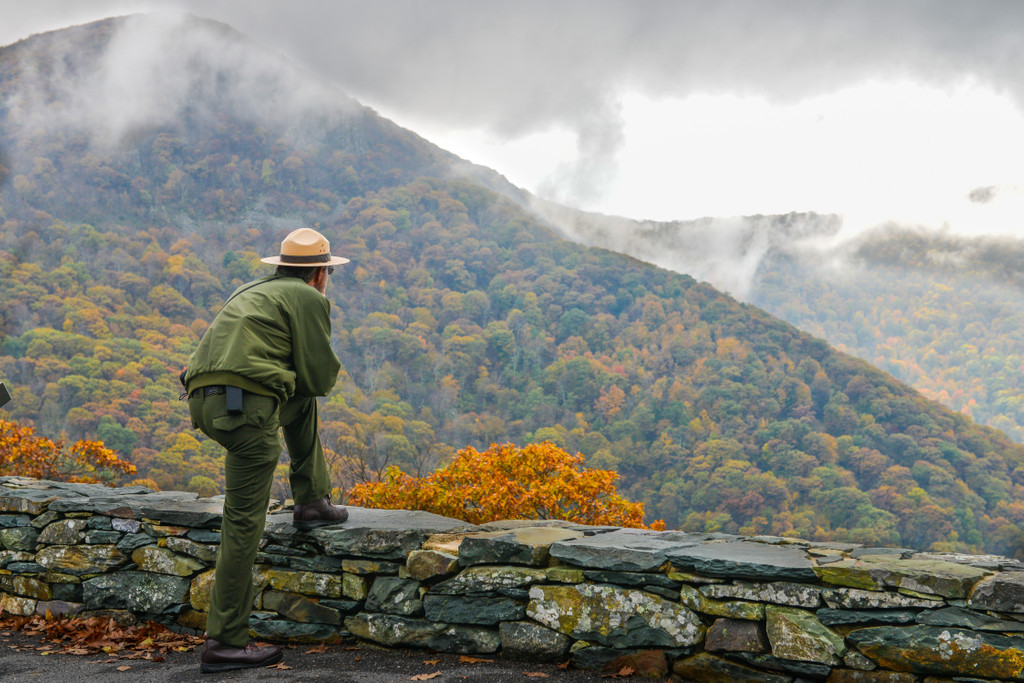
(304,248)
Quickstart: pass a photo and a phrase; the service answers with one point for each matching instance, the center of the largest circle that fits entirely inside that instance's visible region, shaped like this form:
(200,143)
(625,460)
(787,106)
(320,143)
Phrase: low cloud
(156,71)
(991,193)
(726,252)
(516,68)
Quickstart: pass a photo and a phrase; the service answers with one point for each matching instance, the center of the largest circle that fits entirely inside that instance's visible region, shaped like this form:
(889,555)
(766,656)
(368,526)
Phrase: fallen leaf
(563,665)
(647,663)
(431,662)
(425,677)
(317,649)
(126,667)
(536,674)
(472,660)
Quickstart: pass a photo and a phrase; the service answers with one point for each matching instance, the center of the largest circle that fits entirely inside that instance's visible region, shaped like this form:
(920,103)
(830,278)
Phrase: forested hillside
(942,313)
(462,320)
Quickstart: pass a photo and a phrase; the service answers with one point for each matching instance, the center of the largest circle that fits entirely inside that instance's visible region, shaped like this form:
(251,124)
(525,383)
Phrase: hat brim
(276,261)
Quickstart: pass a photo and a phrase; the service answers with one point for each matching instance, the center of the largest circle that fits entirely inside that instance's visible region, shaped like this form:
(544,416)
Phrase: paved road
(340,664)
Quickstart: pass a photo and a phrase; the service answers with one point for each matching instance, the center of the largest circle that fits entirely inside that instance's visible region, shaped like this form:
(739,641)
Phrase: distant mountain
(941,312)
(142,183)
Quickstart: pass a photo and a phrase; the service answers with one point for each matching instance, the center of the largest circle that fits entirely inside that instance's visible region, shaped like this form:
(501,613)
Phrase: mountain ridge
(461,320)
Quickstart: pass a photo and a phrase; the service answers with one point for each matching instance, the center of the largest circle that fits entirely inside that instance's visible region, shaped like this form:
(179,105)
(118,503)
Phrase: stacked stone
(708,607)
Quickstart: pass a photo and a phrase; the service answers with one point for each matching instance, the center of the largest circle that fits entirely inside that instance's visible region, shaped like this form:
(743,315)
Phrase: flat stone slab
(512,524)
(614,617)
(1000,593)
(32,501)
(935,577)
(528,641)
(943,650)
(798,634)
(368,532)
(71,488)
(843,617)
(528,545)
(462,609)
(901,553)
(391,630)
(964,618)
(707,667)
(132,505)
(487,580)
(139,591)
(20,494)
(622,550)
(746,560)
(779,593)
(200,513)
(736,635)
(991,562)
(856,599)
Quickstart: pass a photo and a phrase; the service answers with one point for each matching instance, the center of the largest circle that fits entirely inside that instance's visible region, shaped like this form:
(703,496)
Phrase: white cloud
(671,109)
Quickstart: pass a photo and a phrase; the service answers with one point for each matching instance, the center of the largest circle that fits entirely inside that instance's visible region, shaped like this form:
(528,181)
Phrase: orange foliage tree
(538,481)
(23,453)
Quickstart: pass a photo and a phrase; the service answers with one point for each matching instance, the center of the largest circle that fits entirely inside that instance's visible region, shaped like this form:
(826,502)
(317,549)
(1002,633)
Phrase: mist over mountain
(463,319)
(727,252)
(118,83)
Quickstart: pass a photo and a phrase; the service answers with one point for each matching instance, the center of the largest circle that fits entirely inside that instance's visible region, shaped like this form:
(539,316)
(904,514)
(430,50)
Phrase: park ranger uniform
(258,369)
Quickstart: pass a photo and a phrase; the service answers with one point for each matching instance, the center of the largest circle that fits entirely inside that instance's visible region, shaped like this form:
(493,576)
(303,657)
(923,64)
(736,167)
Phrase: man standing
(265,357)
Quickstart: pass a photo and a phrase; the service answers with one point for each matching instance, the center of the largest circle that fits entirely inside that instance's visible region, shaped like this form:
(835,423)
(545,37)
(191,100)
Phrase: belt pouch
(233,400)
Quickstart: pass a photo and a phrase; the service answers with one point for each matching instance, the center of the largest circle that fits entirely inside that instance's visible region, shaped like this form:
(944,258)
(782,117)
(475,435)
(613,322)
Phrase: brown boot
(318,513)
(215,656)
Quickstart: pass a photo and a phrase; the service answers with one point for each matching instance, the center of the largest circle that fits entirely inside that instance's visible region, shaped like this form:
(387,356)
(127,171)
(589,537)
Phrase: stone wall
(707,607)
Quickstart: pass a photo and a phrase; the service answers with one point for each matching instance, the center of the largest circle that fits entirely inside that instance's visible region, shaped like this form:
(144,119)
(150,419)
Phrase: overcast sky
(878,110)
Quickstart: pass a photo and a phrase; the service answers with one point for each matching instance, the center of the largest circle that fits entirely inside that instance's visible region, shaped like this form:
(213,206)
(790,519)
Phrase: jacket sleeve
(316,366)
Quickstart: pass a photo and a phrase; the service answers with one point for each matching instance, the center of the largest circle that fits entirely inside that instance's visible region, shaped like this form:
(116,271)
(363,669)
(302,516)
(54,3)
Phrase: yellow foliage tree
(538,481)
(23,453)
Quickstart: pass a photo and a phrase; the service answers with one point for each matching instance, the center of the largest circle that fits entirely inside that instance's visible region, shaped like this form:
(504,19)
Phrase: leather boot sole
(306,526)
(216,667)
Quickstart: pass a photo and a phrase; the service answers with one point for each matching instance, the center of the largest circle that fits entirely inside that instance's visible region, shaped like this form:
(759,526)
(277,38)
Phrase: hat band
(315,258)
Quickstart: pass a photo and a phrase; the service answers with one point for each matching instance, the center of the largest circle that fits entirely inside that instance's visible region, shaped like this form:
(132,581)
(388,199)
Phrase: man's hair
(304,273)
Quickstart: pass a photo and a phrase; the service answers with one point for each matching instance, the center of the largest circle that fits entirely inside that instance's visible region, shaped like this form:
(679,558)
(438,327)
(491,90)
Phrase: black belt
(208,391)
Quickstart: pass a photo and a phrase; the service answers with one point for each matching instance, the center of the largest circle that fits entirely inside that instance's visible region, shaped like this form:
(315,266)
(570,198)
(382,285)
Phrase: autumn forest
(463,320)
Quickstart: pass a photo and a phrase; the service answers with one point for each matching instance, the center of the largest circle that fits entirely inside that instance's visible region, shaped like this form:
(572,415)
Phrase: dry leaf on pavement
(624,672)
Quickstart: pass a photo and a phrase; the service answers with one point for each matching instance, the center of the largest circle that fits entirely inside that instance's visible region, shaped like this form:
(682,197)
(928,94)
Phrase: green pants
(253,449)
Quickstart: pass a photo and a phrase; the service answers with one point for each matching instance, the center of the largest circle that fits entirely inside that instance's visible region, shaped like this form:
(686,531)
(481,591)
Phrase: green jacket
(273,337)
